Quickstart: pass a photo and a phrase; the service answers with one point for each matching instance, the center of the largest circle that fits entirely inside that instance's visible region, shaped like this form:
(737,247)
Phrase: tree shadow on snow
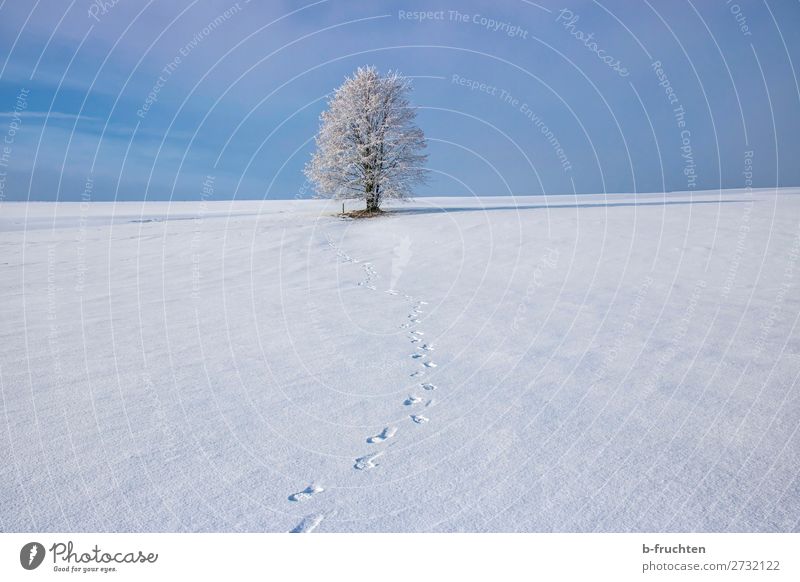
(433,210)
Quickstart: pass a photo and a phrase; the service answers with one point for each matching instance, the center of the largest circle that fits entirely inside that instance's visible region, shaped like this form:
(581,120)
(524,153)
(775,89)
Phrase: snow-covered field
(590,363)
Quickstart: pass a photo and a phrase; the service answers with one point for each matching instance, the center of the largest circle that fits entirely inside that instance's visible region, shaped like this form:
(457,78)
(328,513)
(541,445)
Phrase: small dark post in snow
(342,207)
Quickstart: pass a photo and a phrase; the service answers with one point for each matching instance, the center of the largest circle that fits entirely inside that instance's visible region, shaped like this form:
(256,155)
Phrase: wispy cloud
(53,115)
(38,118)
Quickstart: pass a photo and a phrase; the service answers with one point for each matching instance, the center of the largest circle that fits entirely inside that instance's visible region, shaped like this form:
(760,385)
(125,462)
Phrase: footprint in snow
(426,347)
(386,433)
(306,493)
(309,523)
(415,340)
(429,365)
(428,386)
(417,356)
(366,462)
(417,332)
(416,374)
(419,419)
(391,292)
(411,400)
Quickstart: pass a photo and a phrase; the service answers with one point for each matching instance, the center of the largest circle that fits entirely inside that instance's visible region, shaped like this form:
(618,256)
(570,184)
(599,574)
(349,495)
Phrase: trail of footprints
(421,356)
(370,274)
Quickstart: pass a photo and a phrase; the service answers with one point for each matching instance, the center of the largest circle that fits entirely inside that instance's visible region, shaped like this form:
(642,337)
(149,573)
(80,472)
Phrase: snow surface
(603,363)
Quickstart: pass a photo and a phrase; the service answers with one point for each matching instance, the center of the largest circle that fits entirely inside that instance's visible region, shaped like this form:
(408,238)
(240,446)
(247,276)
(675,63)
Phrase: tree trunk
(373,200)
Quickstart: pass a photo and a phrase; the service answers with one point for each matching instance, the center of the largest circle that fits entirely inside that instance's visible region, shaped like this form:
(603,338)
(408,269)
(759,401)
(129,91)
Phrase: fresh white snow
(602,363)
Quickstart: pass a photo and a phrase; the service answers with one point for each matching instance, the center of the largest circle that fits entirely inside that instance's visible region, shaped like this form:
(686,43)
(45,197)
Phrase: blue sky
(514,96)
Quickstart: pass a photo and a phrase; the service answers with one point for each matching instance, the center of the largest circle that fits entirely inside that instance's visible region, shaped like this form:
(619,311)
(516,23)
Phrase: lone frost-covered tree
(368,145)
